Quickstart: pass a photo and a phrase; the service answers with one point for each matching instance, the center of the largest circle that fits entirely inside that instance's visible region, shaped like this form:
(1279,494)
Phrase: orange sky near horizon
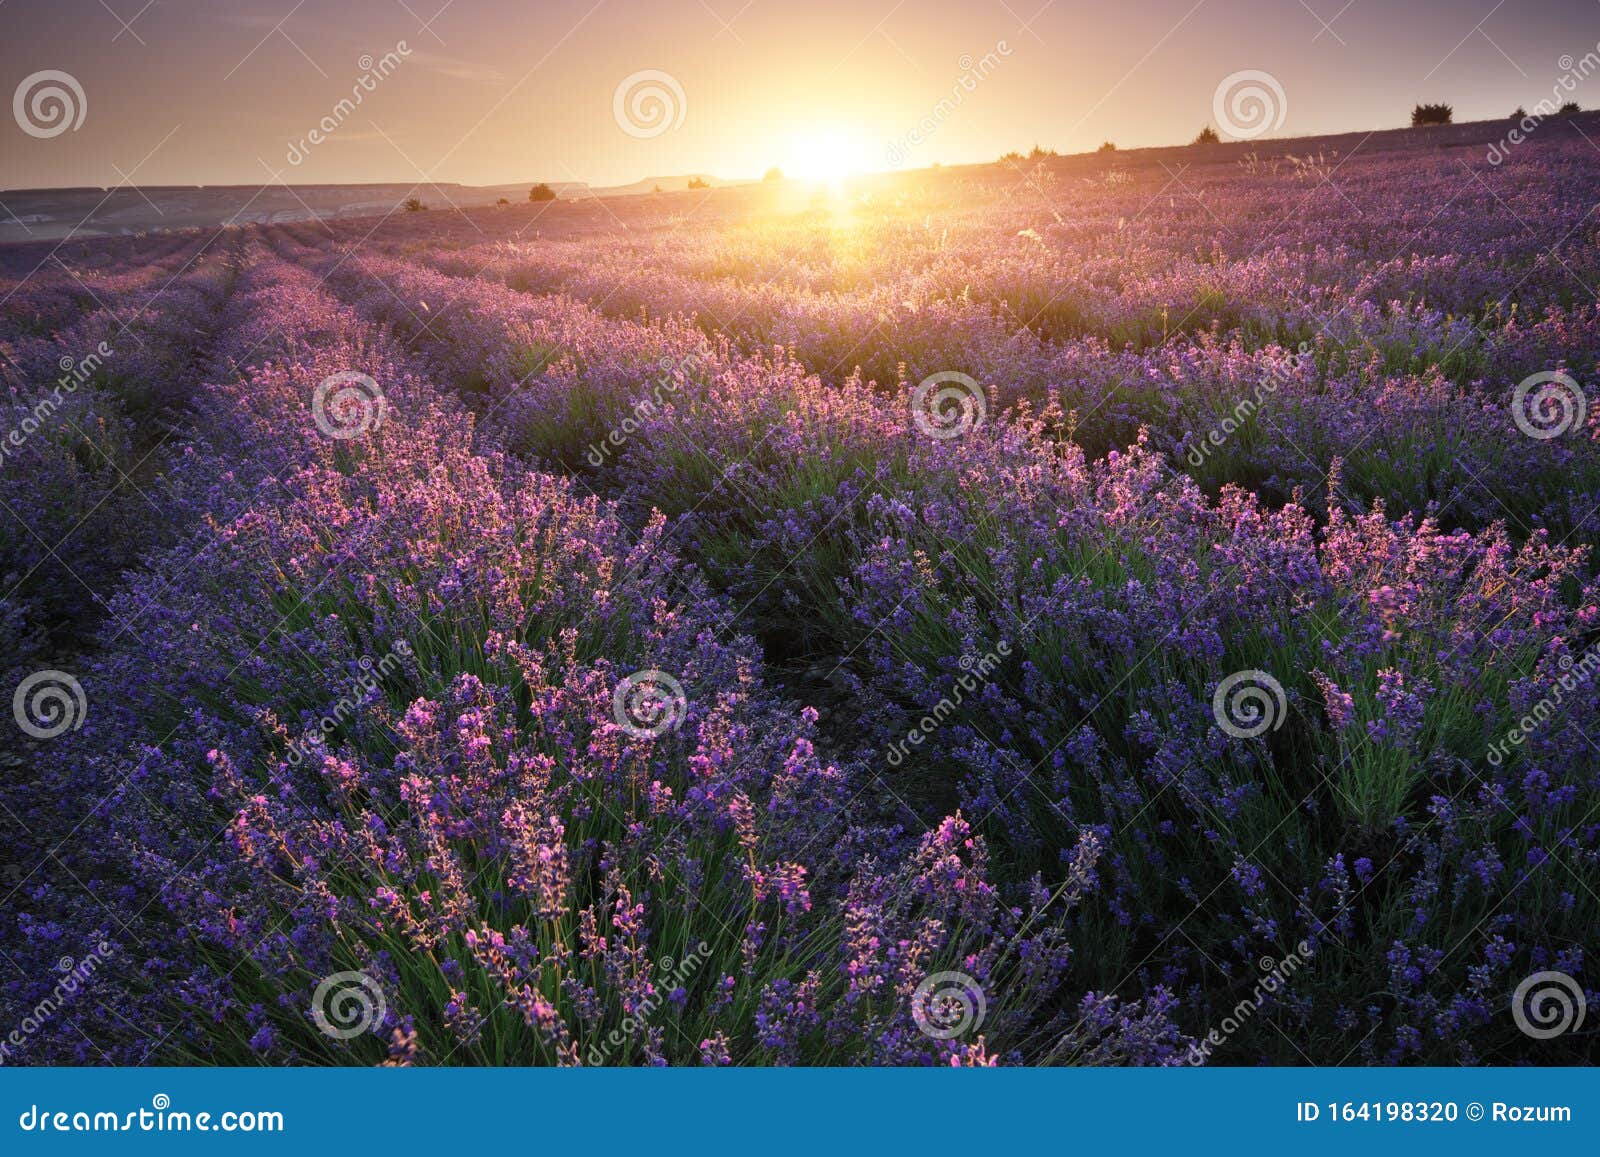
(492,91)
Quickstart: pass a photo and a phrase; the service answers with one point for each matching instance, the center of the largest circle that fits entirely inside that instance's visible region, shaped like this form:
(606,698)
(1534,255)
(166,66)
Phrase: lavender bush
(510,649)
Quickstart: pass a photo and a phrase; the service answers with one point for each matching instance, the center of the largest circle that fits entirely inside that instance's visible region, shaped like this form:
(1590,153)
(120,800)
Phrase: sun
(826,155)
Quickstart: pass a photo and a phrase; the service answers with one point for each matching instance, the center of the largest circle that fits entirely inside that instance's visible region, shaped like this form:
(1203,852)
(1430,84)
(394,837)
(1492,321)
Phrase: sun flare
(829,155)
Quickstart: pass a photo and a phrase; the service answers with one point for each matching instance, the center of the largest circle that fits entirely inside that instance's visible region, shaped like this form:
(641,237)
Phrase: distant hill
(50,214)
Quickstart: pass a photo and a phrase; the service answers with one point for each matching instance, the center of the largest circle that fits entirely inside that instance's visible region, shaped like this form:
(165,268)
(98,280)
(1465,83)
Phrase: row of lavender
(1067,249)
(1258,326)
(359,728)
(387,703)
(91,367)
(1382,822)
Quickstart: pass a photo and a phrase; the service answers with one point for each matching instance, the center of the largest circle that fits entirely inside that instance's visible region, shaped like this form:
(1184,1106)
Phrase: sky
(487,92)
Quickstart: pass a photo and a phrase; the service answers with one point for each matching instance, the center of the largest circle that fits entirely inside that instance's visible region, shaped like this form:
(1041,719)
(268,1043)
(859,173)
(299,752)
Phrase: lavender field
(1126,608)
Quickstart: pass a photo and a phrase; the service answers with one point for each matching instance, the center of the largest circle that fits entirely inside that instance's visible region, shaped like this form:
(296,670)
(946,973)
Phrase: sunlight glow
(830,155)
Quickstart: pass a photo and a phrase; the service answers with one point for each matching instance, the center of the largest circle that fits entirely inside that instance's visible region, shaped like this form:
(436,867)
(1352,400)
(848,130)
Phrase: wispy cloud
(458,69)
